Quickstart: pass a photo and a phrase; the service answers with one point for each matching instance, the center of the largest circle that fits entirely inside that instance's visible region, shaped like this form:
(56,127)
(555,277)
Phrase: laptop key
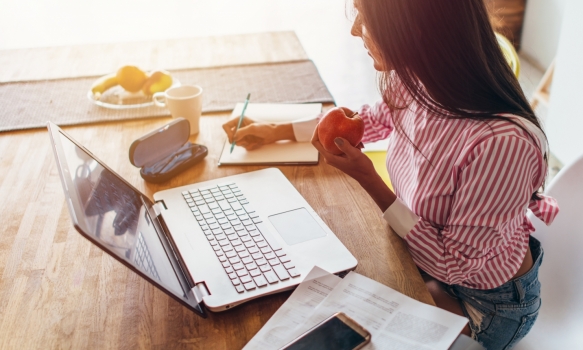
(289,265)
(281,272)
(204,209)
(211,221)
(249,286)
(261,261)
(271,277)
(227,248)
(234,260)
(220,237)
(257,256)
(240,288)
(293,272)
(224,204)
(245,278)
(223,258)
(251,266)
(242,273)
(226,264)
(248,208)
(229,270)
(260,281)
(254,273)
(284,259)
(236,206)
(230,254)
(268,236)
(265,268)
(232,275)
(273,262)
(280,253)
(269,255)
(238,266)
(264,247)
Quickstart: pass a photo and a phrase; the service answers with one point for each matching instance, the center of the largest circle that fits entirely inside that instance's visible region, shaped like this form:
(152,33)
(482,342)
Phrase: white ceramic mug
(183,101)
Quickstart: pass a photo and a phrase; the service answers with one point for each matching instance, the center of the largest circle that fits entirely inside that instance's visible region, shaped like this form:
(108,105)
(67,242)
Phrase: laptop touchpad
(296,226)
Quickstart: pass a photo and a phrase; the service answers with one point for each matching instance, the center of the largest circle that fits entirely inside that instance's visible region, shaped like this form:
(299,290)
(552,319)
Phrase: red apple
(335,123)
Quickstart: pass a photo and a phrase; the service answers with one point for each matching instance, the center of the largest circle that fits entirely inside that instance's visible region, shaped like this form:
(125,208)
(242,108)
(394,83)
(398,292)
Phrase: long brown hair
(446,55)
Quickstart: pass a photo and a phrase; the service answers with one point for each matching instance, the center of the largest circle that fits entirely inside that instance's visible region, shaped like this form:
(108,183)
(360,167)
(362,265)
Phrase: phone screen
(333,334)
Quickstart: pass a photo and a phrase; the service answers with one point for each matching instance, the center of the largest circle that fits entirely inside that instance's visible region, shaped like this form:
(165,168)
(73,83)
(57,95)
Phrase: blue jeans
(501,316)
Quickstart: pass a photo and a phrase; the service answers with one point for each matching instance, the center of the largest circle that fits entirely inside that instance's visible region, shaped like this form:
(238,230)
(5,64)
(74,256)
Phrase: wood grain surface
(58,291)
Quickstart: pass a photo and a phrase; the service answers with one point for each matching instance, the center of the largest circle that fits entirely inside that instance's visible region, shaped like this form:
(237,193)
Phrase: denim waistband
(515,288)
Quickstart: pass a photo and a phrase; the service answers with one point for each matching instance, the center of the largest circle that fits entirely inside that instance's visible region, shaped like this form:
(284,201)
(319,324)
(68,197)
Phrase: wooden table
(57,290)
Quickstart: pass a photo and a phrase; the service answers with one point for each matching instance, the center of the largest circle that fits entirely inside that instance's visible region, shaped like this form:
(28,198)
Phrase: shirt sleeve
(494,186)
(304,128)
(378,123)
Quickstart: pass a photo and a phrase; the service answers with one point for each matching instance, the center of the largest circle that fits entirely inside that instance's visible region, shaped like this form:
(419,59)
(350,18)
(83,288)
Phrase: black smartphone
(338,332)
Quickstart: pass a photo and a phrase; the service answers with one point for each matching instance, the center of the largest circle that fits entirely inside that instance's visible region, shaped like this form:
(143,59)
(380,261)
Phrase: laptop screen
(114,215)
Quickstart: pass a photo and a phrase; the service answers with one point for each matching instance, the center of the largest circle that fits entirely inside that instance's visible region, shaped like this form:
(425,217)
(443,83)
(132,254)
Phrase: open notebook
(283,152)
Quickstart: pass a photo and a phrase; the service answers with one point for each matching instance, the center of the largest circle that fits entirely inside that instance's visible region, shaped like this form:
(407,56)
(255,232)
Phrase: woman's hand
(252,135)
(353,162)
(358,166)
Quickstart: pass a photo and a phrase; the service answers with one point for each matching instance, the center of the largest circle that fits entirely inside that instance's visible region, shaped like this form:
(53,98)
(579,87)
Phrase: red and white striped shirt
(463,195)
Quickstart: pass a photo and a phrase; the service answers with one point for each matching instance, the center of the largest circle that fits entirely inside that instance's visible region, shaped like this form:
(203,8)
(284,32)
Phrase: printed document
(394,320)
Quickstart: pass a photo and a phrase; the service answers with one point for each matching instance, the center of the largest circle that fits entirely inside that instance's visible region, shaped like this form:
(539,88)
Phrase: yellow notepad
(377,152)
(284,152)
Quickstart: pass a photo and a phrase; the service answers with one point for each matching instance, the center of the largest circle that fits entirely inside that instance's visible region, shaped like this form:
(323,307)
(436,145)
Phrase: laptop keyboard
(250,255)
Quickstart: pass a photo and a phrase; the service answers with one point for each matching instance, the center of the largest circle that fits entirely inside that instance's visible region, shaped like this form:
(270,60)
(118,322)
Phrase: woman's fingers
(230,127)
(347,148)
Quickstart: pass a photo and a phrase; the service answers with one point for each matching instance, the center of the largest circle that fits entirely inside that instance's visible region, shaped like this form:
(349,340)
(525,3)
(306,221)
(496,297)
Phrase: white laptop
(213,244)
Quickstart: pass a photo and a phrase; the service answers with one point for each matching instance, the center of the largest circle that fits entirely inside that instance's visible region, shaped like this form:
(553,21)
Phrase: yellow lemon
(131,78)
(158,81)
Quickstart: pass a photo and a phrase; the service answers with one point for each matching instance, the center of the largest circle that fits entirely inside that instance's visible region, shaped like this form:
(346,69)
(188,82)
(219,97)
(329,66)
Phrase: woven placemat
(30,104)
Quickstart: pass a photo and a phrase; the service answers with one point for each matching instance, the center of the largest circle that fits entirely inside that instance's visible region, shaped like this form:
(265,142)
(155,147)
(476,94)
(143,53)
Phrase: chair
(509,53)
(560,321)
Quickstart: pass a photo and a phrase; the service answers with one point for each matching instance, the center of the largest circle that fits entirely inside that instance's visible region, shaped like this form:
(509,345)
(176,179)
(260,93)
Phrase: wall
(564,123)
(541,30)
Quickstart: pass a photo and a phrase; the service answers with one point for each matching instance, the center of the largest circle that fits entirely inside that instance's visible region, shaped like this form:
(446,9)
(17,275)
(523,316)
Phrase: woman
(466,157)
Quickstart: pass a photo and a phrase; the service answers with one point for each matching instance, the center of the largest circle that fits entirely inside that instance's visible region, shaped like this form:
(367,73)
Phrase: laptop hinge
(158,208)
(200,291)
